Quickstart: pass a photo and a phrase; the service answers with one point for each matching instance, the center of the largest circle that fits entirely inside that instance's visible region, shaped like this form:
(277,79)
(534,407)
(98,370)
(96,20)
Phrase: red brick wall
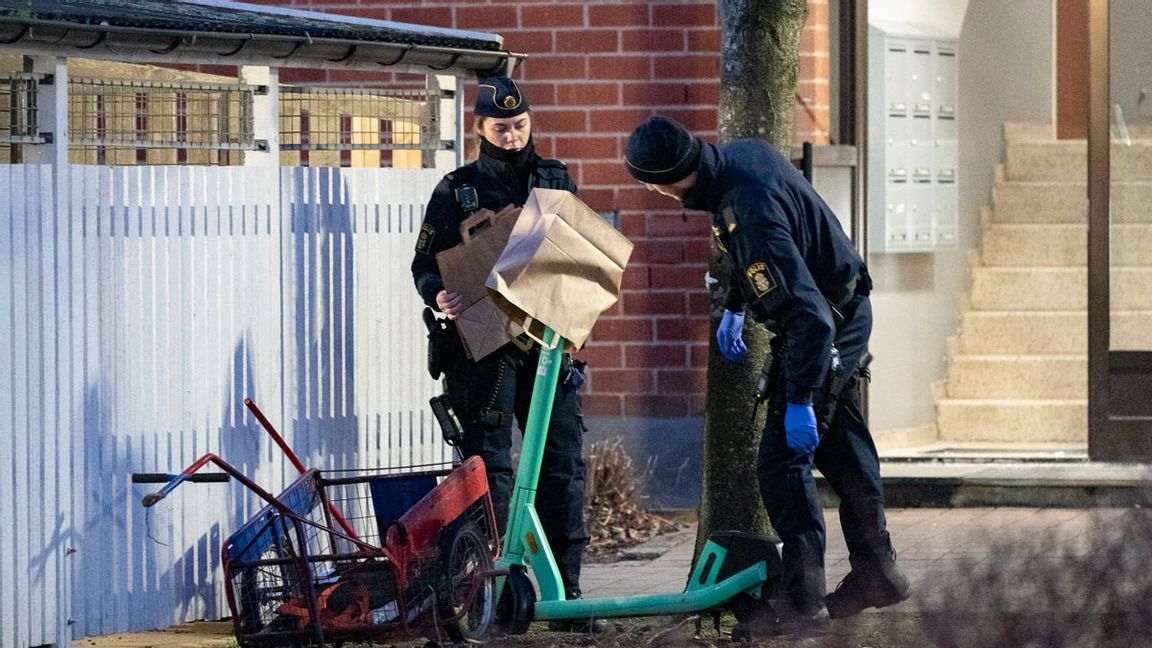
(594,71)
(813,112)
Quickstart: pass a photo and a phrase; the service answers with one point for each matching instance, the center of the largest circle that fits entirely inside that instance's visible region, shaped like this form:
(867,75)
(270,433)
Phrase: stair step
(1067,202)
(1034,245)
(1018,376)
(1068,160)
(1056,288)
(1012,420)
(1061,245)
(1047,332)
(996,332)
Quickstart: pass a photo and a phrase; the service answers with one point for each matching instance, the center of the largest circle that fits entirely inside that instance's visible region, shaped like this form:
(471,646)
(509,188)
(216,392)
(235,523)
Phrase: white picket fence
(139,306)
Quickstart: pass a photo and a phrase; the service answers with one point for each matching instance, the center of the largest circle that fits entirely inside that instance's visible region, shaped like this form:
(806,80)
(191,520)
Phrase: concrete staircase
(1017,370)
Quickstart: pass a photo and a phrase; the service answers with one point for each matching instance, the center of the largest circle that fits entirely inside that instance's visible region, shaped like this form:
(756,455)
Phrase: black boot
(877,585)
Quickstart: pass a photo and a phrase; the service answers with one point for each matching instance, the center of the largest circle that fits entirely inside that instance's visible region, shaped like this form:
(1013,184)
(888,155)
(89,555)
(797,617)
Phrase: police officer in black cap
(794,269)
(490,394)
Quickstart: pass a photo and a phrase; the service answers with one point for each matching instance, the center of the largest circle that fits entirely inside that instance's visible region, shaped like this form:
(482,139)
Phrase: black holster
(840,376)
(443,343)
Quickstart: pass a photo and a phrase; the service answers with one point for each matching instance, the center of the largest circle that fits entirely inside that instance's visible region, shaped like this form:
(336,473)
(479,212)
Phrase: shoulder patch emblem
(424,242)
(760,277)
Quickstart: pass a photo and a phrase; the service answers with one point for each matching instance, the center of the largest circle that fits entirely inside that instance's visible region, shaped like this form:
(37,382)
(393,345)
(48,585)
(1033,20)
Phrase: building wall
(1131,22)
(594,71)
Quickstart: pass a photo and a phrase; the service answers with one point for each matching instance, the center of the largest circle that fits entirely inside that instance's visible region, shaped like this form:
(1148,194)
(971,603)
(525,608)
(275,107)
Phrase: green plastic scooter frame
(526,545)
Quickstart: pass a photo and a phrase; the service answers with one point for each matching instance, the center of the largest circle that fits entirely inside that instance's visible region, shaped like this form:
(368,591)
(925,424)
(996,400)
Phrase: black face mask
(517,159)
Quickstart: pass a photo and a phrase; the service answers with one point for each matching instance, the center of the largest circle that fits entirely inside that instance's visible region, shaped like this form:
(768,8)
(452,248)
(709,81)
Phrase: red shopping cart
(363,555)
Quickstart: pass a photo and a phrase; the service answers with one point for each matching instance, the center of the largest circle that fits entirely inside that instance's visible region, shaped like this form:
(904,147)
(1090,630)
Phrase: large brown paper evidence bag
(561,268)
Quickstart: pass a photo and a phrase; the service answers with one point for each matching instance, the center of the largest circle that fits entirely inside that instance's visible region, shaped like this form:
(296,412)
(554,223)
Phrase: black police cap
(661,151)
(499,97)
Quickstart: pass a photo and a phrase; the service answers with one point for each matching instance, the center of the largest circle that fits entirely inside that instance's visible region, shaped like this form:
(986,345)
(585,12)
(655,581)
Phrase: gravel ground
(896,628)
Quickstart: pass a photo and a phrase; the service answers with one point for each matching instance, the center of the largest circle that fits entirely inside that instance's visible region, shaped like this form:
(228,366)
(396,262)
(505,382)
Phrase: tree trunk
(759,59)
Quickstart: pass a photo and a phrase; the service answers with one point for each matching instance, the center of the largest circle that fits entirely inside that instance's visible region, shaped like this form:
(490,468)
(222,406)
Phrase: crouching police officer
(489,395)
(794,269)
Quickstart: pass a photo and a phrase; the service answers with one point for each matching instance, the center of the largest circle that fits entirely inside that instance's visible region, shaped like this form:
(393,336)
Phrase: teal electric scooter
(735,571)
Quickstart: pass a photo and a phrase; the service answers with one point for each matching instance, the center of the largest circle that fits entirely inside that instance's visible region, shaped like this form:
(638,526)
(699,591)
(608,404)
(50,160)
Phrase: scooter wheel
(517,606)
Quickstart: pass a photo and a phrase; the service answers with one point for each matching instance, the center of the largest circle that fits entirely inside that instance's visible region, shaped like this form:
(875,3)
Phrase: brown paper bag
(482,326)
(561,268)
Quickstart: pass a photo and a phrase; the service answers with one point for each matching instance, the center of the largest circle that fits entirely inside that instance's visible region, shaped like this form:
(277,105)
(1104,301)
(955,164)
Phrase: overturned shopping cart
(364,555)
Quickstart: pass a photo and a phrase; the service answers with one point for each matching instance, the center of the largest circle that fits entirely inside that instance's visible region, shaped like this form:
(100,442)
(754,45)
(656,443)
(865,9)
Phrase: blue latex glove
(575,378)
(728,335)
(800,427)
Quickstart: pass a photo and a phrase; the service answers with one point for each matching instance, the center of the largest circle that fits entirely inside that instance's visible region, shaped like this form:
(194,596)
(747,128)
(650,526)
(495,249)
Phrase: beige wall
(1131,24)
(1005,75)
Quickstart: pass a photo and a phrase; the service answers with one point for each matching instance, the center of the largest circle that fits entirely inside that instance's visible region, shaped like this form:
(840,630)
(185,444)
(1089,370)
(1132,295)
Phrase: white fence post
(52,108)
(47,592)
(449,118)
(266,114)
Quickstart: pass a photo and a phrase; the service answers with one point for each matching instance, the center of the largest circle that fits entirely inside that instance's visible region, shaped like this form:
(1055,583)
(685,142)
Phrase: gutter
(344,19)
(137,45)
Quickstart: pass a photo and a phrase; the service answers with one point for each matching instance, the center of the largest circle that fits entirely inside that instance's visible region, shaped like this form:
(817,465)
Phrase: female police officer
(793,266)
(489,394)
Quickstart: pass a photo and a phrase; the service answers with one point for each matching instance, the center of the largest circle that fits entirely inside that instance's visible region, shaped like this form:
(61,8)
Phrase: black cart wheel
(468,559)
(517,606)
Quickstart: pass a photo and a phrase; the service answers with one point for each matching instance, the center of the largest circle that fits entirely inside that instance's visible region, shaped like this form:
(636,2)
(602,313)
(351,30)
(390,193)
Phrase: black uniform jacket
(497,186)
(790,256)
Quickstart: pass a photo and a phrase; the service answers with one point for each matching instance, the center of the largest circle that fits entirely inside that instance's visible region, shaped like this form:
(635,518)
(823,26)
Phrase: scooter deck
(748,580)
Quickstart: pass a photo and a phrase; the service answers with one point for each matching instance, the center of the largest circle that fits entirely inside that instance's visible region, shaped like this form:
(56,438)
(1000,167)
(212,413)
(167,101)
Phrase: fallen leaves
(613,511)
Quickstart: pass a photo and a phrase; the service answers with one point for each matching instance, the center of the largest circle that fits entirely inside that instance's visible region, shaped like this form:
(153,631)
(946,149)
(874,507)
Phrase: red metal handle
(279,441)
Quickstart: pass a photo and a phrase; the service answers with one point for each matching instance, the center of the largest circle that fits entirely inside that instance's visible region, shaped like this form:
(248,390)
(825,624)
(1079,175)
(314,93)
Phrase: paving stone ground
(935,548)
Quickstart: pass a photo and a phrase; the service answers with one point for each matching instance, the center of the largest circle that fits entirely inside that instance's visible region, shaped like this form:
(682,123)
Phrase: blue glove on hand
(728,335)
(800,428)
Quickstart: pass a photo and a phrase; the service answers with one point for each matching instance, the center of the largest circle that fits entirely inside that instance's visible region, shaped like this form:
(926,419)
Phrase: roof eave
(139,45)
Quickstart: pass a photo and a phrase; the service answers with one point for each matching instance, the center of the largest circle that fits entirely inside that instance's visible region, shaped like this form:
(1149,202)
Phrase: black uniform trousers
(847,458)
(486,395)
